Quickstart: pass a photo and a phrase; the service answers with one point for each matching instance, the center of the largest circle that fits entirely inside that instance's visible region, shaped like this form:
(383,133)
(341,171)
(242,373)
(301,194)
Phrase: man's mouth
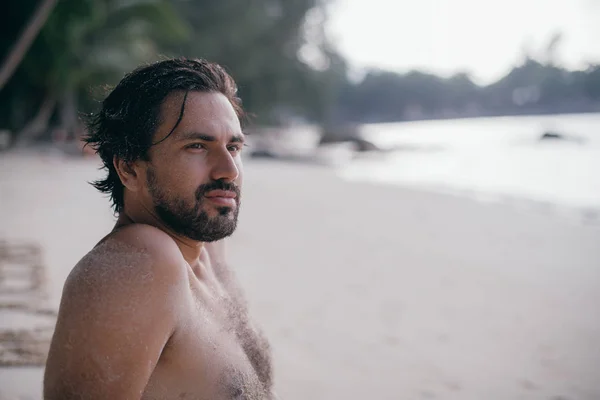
(221,193)
(224,198)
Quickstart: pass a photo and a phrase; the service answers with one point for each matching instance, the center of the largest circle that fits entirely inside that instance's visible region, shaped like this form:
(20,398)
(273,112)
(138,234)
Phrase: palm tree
(22,45)
(87,42)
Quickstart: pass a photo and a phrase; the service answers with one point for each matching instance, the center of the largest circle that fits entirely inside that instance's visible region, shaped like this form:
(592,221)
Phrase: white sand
(366,291)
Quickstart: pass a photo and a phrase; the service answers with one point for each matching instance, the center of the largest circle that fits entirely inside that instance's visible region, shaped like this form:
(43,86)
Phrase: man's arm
(117,313)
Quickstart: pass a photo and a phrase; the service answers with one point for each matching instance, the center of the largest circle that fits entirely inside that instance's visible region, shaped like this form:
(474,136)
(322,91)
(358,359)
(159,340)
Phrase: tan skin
(149,313)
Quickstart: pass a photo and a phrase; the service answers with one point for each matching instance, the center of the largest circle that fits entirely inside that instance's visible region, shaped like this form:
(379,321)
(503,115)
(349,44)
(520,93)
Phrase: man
(153,311)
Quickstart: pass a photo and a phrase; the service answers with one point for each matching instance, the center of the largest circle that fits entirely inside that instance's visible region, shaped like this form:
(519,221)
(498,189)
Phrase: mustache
(217,185)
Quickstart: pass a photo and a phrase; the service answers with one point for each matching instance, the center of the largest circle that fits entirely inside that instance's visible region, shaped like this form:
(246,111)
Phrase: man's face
(194,176)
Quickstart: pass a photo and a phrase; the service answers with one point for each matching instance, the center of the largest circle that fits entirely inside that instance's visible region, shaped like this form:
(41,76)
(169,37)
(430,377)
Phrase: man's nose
(224,167)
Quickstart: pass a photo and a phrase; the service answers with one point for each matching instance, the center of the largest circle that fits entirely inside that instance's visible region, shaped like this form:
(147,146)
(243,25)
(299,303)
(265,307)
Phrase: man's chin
(214,226)
(217,212)
(214,235)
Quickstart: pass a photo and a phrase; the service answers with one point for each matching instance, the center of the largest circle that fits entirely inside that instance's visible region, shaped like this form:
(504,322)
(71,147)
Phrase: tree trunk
(20,48)
(68,112)
(39,124)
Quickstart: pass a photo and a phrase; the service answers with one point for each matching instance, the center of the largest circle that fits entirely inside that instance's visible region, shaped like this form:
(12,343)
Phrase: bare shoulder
(137,265)
(129,256)
(124,294)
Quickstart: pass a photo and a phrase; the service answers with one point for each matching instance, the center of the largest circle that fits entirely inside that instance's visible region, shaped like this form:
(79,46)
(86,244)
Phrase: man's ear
(129,173)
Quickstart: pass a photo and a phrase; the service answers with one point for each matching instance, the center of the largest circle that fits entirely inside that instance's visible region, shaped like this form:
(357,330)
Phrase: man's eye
(196,146)
(235,148)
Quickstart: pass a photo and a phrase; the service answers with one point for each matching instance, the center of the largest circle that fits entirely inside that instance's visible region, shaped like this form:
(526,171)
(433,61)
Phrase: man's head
(169,136)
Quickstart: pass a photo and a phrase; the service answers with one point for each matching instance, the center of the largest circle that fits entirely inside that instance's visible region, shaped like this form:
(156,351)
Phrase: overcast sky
(482,37)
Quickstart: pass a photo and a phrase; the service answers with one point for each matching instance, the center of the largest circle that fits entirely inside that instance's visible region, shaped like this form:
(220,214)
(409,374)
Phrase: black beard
(193,222)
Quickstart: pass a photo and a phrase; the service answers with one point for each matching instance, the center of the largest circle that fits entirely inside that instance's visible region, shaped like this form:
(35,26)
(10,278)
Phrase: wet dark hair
(126,124)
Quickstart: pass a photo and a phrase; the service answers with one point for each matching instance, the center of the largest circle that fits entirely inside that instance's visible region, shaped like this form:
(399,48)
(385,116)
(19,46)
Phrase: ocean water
(492,159)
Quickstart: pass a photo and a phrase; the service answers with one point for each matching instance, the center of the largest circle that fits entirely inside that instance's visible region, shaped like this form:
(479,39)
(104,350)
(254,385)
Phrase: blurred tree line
(277,50)
(85,46)
(538,85)
(533,87)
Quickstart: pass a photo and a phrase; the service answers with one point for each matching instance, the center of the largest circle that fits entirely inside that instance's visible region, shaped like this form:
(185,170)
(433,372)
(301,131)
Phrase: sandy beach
(365,291)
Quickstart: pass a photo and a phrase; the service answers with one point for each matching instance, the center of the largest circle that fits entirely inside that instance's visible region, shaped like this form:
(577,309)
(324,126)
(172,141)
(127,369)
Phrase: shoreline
(578,215)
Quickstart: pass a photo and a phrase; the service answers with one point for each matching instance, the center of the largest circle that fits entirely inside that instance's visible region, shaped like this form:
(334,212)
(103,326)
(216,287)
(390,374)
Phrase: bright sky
(482,37)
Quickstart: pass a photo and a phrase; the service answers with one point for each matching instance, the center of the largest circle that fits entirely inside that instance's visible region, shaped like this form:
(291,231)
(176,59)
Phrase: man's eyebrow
(237,139)
(210,138)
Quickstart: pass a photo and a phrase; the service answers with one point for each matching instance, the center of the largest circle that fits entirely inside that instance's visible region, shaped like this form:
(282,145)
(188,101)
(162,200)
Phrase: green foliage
(88,44)
(258,42)
(84,44)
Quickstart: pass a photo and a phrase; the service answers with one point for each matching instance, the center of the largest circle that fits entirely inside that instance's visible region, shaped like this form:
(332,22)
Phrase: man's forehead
(203,112)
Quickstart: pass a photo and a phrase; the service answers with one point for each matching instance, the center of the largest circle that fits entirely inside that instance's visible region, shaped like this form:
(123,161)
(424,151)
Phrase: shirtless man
(153,311)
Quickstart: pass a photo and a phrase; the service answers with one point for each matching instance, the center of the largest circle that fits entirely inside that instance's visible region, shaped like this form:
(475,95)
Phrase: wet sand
(365,291)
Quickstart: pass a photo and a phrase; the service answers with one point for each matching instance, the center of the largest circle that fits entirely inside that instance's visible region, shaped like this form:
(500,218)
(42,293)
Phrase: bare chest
(215,353)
